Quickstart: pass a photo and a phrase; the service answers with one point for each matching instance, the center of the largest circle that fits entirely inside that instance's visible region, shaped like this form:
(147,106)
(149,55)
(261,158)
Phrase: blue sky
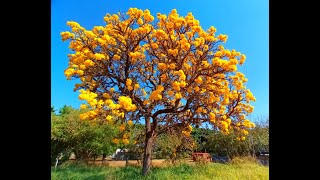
(246,23)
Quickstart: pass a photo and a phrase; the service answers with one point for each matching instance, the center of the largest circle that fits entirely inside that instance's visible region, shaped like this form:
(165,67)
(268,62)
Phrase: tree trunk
(126,158)
(148,147)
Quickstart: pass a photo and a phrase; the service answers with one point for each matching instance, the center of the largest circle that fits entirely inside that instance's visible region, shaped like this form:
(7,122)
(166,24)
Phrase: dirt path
(155,163)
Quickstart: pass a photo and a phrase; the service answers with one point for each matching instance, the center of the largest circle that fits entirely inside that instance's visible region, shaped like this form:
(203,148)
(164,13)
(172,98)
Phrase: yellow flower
(116,57)
(69,72)
(212,117)
(224,125)
(140,21)
(160,88)
(189,90)
(83,116)
(160,33)
(130,122)
(245,132)
(66,35)
(80,72)
(155,95)
(210,38)
(170,93)
(186,133)
(223,37)
(83,106)
(228,121)
(88,63)
(172,66)
(109,118)
(218,54)
(99,56)
(122,127)
(125,141)
(233,61)
(144,93)
(170,25)
(242,59)
(115,140)
(199,110)
(176,86)
(173,52)
(163,77)
(126,103)
(82,67)
(111,90)
(125,136)
(74,66)
(200,53)
(198,80)
(162,66)
(205,64)
(185,46)
(106,95)
(136,86)
(145,102)
(178,95)
(154,45)
(183,84)
(232,68)
(128,82)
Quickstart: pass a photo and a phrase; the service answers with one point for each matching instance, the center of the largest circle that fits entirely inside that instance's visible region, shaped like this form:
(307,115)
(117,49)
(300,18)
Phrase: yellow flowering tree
(167,72)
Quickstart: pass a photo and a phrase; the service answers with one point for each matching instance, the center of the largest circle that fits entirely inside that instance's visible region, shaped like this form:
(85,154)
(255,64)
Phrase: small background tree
(86,139)
(231,145)
(174,145)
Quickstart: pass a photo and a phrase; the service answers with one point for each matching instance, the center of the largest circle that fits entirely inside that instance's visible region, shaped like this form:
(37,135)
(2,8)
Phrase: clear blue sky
(246,23)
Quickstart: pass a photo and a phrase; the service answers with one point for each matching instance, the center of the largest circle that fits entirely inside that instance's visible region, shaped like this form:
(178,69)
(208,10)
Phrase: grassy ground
(239,169)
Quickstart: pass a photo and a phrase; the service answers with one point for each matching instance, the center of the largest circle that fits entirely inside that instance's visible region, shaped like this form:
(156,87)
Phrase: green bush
(86,139)
(217,143)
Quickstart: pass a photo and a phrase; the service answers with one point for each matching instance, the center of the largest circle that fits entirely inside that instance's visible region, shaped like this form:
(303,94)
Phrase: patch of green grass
(78,171)
(234,170)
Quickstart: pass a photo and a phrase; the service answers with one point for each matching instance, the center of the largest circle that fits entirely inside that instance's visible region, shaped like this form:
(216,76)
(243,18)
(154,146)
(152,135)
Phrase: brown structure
(198,155)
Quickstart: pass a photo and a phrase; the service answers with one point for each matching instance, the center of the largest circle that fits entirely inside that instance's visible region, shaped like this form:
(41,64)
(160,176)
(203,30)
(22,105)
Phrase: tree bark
(148,147)
(126,158)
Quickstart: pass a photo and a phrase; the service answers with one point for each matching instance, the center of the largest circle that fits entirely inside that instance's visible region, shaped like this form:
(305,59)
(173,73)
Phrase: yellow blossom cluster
(66,35)
(186,132)
(130,122)
(115,140)
(136,56)
(109,119)
(83,106)
(128,83)
(156,94)
(122,127)
(90,97)
(126,103)
(92,114)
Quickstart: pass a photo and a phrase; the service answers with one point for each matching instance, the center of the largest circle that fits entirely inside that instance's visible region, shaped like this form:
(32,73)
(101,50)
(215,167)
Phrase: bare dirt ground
(155,163)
